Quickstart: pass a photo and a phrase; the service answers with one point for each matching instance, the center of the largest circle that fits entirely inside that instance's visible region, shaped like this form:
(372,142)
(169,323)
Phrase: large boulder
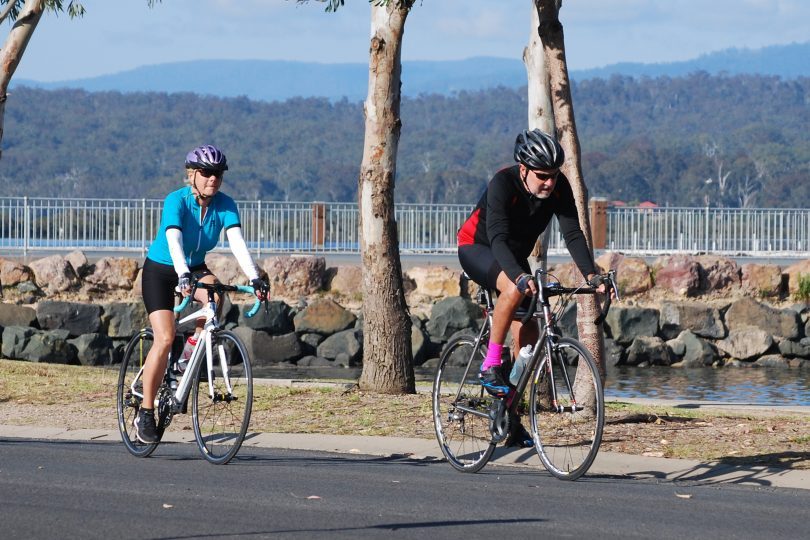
(450,315)
(323,316)
(718,273)
(796,274)
(762,280)
(346,280)
(347,342)
(113,273)
(78,260)
(295,276)
(435,281)
(54,274)
(745,343)
(692,351)
(700,318)
(747,312)
(13,273)
(38,345)
(93,349)
(123,319)
(14,315)
(76,318)
(677,273)
(277,319)
(266,350)
(648,350)
(632,273)
(628,323)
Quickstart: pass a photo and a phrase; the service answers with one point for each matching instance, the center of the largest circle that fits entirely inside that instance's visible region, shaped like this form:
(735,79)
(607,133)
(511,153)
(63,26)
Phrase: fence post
(318,225)
(143,227)
(259,229)
(26,226)
(598,209)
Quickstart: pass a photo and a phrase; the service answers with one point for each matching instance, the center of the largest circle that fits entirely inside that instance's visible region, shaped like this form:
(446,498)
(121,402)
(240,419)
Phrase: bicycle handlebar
(220,288)
(609,279)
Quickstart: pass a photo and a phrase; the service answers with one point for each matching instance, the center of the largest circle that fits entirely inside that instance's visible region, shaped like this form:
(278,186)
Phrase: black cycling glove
(260,288)
(523,283)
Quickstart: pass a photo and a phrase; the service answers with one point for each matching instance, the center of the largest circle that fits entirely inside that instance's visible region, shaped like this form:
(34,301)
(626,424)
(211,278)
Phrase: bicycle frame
(204,343)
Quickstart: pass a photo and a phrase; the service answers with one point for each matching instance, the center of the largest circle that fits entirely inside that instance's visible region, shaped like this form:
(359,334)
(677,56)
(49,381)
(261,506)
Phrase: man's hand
(597,282)
(260,288)
(526,285)
(184,283)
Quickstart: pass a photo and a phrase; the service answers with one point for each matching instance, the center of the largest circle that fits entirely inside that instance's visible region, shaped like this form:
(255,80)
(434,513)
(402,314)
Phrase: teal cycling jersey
(181,211)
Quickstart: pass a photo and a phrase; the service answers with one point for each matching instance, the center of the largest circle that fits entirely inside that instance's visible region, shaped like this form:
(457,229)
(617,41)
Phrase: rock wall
(679,311)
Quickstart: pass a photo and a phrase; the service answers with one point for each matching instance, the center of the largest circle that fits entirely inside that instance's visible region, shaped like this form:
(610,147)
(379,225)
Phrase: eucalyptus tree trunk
(14,48)
(387,355)
(541,111)
(551,34)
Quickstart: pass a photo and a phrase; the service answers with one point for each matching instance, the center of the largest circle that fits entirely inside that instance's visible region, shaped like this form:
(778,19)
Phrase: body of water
(754,386)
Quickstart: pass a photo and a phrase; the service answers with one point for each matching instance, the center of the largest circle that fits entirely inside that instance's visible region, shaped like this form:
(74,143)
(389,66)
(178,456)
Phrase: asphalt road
(59,489)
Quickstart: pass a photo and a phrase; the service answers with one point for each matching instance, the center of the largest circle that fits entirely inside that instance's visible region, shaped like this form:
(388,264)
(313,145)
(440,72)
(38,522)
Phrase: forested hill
(642,139)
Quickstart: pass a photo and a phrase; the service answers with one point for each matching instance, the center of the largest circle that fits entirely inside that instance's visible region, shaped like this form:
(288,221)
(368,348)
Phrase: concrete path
(606,464)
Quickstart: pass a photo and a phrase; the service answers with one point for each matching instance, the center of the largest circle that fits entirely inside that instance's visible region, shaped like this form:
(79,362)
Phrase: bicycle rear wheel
(461,406)
(567,433)
(220,422)
(129,393)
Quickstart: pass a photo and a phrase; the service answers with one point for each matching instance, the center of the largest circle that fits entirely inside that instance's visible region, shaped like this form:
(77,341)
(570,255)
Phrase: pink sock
(493,358)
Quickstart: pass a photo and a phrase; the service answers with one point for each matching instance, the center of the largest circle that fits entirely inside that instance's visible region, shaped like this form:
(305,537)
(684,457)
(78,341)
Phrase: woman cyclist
(193,217)
(495,242)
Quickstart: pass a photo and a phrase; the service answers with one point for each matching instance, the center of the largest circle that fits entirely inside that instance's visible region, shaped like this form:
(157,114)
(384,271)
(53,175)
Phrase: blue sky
(117,35)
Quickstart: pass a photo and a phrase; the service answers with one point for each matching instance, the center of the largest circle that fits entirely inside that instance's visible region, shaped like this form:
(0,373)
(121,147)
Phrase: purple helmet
(207,156)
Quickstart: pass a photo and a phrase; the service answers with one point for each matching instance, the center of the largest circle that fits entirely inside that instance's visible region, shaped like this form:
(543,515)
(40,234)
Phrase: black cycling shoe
(145,428)
(492,380)
(518,436)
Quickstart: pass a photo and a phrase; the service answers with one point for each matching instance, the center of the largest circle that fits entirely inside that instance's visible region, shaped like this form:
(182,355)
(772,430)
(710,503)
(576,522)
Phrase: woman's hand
(184,283)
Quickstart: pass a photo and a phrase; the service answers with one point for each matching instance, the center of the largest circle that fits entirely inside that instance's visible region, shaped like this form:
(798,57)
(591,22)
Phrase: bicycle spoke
(221,422)
(460,407)
(567,411)
(130,391)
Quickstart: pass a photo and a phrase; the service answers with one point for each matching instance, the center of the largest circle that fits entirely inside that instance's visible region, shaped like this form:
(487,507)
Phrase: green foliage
(74,8)
(641,140)
(803,291)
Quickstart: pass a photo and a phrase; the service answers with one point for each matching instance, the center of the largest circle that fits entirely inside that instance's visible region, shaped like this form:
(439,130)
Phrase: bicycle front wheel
(222,399)
(461,406)
(567,410)
(129,393)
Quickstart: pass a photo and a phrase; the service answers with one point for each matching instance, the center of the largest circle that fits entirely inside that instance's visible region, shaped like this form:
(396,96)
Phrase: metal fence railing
(50,224)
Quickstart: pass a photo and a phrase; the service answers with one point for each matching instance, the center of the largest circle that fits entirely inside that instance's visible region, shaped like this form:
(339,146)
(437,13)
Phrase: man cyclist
(495,241)
(193,217)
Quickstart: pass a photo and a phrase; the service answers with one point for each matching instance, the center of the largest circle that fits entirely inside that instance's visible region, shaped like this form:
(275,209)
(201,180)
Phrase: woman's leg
(162,322)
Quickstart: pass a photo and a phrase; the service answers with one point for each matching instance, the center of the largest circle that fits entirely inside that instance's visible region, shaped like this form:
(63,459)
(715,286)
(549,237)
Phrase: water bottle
(185,356)
(522,360)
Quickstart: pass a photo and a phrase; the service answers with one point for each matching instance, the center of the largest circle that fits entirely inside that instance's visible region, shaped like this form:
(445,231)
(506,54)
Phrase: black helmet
(538,150)
(207,156)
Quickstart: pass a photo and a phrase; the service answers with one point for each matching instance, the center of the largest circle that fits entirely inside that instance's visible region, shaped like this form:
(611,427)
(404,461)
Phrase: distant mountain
(269,80)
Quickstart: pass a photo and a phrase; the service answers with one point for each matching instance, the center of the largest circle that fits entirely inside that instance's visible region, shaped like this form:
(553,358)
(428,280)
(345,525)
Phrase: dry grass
(82,397)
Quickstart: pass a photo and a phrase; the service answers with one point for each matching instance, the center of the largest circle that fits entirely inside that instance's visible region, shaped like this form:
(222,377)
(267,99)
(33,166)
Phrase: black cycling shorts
(158,282)
(482,267)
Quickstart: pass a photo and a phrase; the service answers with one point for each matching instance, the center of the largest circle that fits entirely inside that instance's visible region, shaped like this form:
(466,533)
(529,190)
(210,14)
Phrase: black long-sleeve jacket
(509,220)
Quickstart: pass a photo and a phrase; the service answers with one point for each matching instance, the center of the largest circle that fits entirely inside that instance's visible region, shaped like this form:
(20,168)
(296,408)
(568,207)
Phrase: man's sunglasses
(208,173)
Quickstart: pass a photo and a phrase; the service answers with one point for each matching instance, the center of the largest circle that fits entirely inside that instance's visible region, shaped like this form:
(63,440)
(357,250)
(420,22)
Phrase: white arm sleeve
(175,241)
(240,251)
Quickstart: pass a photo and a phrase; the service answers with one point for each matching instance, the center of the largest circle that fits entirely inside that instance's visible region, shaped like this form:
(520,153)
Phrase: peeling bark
(14,48)
(550,31)
(387,355)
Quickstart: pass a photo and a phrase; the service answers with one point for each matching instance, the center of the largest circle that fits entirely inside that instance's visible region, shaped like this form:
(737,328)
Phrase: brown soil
(75,397)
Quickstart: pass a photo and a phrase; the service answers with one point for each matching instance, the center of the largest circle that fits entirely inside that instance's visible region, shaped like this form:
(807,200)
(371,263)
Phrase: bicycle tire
(220,424)
(567,437)
(127,403)
(464,437)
